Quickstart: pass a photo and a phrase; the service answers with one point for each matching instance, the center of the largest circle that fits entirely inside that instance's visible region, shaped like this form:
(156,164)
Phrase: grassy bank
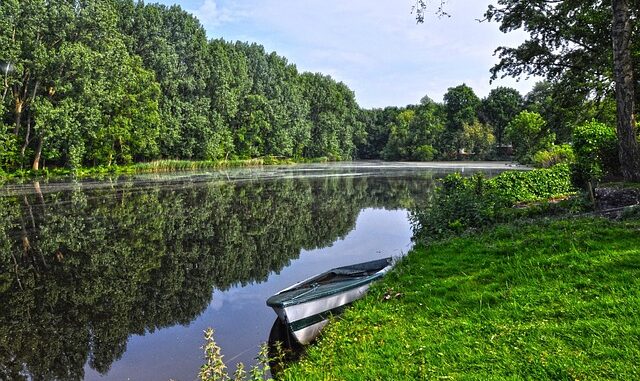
(159,166)
(552,300)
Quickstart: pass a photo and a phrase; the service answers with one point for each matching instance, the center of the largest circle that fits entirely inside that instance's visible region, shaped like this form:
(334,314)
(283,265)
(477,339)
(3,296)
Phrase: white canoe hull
(307,319)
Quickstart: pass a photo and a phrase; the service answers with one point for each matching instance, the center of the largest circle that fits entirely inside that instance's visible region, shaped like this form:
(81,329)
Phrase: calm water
(116,279)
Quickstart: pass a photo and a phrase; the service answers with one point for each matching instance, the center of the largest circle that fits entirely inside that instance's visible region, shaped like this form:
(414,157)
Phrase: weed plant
(214,368)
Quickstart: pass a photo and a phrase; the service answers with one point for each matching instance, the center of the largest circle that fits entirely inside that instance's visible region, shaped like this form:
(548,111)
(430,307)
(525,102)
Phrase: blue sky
(375,47)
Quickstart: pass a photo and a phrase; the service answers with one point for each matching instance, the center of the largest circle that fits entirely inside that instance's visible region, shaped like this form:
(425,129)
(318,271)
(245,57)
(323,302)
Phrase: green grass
(554,300)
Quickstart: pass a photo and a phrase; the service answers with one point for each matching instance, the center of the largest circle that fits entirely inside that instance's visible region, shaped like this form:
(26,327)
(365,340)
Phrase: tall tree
(461,107)
(585,45)
(622,33)
(173,44)
(498,108)
(334,117)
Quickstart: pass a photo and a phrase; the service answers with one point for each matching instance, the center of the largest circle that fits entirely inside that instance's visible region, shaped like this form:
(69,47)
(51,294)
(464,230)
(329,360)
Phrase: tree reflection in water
(83,269)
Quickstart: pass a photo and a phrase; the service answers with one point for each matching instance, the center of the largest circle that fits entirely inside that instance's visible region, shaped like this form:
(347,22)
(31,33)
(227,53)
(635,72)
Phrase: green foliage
(477,139)
(561,108)
(142,82)
(569,44)
(596,148)
(528,135)
(556,154)
(425,153)
(9,153)
(214,368)
(461,107)
(499,108)
(547,300)
(411,132)
(333,115)
(475,202)
(517,186)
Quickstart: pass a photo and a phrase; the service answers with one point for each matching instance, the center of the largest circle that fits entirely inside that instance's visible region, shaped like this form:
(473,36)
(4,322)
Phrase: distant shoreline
(169,166)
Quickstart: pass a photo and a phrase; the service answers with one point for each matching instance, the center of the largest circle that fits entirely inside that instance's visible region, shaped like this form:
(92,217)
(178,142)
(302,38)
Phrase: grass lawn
(546,301)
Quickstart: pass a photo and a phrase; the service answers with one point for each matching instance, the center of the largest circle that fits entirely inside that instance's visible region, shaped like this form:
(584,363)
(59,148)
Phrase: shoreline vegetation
(157,166)
(160,88)
(504,283)
(545,299)
(175,165)
(510,278)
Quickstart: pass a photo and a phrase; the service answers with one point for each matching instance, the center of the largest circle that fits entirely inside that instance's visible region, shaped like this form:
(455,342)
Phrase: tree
(498,108)
(333,112)
(377,124)
(622,34)
(528,134)
(461,107)
(173,44)
(477,138)
(584,46)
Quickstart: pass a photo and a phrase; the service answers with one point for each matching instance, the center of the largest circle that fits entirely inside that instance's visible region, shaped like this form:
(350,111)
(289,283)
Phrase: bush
(528,134)
(9,155)
(425,153)
(557,154)
(460,203)
(596,150)
(519,186)
(477,138)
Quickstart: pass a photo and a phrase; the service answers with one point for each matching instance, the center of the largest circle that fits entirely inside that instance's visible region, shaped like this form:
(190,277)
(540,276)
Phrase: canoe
(305,306)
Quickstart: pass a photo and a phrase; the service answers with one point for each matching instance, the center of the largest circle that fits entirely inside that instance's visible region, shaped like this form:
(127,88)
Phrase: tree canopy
(103,82)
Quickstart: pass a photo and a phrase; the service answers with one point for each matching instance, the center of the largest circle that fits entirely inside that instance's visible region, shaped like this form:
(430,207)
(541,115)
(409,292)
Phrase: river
(116,279)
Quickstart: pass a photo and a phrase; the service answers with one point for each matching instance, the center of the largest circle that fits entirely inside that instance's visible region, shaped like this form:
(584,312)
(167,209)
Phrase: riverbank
(166,166)
(546,300)
(158,166)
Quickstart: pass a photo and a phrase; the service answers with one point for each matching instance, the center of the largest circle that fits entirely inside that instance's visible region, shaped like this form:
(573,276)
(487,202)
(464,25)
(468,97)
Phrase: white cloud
(211,15)
(375,47)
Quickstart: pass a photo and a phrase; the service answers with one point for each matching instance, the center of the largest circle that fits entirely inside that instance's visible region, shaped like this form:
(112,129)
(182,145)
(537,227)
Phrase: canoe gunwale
(318,291)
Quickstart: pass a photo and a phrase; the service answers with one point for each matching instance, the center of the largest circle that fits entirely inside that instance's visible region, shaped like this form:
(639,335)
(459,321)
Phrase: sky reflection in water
(116,279)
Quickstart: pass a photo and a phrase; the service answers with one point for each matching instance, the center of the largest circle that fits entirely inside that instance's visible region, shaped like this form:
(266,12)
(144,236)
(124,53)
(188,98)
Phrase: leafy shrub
(596,150)
(519,186)
(477,138)
(557,154)
(461,203)
(9,155)
(425,153)
(528,134)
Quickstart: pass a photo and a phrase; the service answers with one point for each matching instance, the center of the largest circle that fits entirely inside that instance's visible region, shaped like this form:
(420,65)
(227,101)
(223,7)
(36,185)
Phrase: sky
(374,46)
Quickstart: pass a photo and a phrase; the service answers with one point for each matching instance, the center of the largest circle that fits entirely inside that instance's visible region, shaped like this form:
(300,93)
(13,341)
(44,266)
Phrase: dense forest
(102,82)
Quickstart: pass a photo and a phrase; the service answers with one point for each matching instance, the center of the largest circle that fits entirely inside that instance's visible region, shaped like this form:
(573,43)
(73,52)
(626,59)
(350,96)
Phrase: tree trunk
(26,137)
(18,116)
(6,85)
(36,159)
(623,70)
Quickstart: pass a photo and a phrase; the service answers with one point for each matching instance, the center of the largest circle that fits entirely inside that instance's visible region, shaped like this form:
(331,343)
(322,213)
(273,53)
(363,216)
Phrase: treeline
(464,126)
(101,82)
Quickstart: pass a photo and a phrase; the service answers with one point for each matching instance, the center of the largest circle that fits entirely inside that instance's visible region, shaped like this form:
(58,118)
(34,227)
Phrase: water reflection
(85,266)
